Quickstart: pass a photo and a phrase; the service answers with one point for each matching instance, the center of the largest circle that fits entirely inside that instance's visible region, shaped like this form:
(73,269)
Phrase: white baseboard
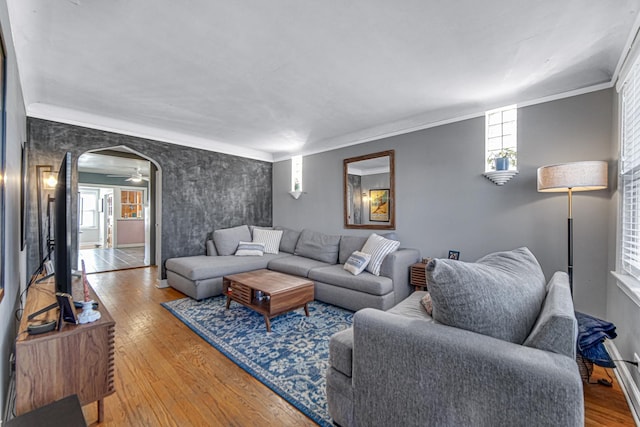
(162,284)
(625,379)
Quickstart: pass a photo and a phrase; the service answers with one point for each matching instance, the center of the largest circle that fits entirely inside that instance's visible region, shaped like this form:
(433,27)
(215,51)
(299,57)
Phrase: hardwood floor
(168,376)
(605,406)
(100,260)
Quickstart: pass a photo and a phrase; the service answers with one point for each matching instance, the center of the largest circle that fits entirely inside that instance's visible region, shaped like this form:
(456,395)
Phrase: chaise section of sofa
(201,276)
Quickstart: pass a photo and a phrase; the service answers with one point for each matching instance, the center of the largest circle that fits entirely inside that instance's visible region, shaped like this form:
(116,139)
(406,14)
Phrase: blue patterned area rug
(291,360)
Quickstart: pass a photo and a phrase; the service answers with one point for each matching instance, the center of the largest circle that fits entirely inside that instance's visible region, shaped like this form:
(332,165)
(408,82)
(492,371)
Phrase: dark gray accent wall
(201,190)
(443,201)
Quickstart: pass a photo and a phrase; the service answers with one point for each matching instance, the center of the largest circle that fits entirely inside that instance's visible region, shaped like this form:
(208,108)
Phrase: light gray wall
(14,258)
(443,201)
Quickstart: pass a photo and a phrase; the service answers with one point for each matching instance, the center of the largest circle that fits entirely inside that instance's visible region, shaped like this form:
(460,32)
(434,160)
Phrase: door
(108,220)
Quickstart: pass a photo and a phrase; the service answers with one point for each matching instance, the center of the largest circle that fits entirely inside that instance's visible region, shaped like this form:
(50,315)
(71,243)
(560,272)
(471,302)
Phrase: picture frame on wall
(454,255)
(379,205)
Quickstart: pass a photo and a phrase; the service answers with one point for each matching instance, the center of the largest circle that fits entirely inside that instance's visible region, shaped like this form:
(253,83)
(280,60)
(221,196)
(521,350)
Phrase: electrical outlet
(636,359)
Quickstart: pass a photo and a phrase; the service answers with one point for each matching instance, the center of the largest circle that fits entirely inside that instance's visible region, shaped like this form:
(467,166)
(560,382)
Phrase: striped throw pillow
(250,249)
(378,247)
(270,239)
(357,262)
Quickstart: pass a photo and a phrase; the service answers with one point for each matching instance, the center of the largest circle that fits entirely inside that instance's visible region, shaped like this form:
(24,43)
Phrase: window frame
(96,216)
(488,125)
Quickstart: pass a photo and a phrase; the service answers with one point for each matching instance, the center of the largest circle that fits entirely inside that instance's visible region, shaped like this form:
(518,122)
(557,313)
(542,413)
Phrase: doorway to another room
(114,215)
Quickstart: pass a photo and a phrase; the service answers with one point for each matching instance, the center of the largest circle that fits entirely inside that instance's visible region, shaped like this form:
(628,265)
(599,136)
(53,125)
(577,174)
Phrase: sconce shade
(49,179)
(577,176)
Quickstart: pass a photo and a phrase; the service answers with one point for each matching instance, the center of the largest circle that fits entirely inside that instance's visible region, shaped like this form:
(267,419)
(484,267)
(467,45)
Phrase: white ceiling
(267,79)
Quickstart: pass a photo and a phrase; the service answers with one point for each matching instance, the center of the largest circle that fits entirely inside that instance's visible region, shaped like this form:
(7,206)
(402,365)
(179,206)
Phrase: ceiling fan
(135,176)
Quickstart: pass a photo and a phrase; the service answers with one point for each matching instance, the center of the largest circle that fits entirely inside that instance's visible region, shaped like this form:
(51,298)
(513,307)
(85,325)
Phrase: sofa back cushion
(227,239)
(318,246)
(211,248)
(348,245)
(289,239)
(556,328)
(499,295)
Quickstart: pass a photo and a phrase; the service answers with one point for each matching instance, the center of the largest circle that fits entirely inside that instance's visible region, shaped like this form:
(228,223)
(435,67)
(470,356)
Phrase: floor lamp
(571,177)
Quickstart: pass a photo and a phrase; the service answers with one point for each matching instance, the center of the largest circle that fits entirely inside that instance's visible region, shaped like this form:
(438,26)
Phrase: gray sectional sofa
(306,253)
(497,350)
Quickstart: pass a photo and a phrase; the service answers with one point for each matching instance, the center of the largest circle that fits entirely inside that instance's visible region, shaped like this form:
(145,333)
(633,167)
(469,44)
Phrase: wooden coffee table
(281,292)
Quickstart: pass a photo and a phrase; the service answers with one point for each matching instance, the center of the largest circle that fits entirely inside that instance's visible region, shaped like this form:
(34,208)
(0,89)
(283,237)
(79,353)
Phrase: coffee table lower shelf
(281,293)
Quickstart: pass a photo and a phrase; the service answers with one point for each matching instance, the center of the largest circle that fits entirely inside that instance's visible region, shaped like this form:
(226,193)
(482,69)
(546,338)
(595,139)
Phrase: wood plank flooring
(100,260)
(168,376)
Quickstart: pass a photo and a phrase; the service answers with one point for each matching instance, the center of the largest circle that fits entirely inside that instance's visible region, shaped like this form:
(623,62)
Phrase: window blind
(630,172)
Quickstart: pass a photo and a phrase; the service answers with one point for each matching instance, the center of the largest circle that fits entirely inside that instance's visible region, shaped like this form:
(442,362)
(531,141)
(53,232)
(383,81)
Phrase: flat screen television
(62,228)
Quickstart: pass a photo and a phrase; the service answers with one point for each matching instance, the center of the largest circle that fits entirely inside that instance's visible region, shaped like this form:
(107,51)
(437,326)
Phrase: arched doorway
(119,207)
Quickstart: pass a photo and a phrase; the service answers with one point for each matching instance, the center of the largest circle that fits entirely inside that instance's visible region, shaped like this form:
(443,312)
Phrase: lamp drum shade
(577,176)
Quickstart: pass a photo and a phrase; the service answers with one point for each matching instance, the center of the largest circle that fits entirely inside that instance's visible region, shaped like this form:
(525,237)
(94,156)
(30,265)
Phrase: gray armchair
(402,368)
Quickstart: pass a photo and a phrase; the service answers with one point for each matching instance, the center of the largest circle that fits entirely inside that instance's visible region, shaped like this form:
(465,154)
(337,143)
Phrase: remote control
(41,328)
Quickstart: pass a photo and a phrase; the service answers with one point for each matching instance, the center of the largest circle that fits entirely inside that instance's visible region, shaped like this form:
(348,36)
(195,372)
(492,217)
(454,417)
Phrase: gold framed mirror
(369,191)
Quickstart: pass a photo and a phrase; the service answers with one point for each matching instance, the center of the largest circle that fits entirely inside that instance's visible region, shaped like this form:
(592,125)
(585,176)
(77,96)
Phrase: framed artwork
(454,255)
(379,205)
(3,145)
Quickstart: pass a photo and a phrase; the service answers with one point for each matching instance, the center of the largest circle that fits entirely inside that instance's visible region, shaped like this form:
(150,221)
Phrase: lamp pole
(570,242)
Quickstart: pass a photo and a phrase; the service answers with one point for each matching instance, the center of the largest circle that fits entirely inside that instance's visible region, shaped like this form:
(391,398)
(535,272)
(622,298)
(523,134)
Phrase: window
(501,136)
(131,204)
(89,207)
(630,173)
(296,173)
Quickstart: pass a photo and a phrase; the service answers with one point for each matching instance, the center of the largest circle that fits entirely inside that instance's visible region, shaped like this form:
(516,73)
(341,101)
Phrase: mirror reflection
(369,191)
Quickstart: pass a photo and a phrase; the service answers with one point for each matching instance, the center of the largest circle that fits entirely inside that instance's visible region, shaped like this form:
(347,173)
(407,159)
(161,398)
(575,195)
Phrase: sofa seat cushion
(206,267)
(295,265)
(341,351)
(500,295)
(411,307)
(363,282)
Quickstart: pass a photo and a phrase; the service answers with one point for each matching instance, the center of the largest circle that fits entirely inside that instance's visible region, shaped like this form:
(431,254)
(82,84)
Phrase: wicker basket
(585,367)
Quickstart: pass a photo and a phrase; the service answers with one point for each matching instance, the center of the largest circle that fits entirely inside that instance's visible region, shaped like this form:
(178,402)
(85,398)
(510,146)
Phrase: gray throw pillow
(500,295)
(227,239)
(289,239)
(318,246)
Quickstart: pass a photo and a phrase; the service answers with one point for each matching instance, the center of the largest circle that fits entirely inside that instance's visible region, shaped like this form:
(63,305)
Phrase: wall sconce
(365,198)
(49,180)
(296,177)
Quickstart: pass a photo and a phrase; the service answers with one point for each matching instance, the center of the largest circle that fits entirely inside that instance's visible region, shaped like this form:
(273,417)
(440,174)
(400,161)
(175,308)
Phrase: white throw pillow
(357,262)
(270,239)
(378,247)
(250,249)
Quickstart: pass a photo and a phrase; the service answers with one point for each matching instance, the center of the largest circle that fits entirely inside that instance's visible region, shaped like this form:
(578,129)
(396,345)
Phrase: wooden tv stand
(79,359)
